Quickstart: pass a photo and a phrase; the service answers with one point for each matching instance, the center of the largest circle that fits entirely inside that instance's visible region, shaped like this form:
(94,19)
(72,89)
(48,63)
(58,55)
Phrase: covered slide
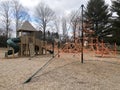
(13,43)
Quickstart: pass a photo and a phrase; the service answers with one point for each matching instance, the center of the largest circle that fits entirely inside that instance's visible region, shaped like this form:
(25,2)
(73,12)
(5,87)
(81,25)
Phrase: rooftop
(27,27)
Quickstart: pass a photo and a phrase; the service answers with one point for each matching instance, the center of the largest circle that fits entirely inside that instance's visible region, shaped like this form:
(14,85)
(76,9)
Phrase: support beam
(82,36)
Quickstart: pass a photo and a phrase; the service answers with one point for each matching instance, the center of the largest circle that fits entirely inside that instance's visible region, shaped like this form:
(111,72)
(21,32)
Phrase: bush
(3,41)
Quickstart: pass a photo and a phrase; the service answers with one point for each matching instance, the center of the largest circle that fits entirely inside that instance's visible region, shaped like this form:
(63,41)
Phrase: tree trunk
(44,27)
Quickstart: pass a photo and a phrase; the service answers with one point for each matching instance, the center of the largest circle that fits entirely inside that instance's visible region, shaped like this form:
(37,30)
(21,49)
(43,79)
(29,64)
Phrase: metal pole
(40,69)
(82,36)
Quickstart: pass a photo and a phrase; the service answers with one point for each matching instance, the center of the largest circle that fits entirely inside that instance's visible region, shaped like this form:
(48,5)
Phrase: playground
(61,49)
(30,63)
(63,73)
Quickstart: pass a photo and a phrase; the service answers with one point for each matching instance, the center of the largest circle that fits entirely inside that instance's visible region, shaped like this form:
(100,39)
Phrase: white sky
(61,7)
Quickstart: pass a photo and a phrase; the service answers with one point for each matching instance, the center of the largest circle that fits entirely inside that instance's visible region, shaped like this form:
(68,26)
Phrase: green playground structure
(13,43)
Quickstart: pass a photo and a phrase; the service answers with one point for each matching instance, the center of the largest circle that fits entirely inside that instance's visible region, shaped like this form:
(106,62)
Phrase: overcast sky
(61,7)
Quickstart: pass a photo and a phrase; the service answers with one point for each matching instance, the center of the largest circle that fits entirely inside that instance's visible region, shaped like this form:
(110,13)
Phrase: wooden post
(58,49)
(97,48)
(102,48)
(13,53)
(53,48)
(91,43)
(115,49)
(21,45)
(32,51)
(45,47)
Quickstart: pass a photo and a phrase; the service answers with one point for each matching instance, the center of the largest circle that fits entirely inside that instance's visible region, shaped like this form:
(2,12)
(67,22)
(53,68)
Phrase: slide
(50,51)
(12,42)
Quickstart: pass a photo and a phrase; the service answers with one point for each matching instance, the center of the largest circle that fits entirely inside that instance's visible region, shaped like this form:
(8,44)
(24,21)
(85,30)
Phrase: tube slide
(13,43)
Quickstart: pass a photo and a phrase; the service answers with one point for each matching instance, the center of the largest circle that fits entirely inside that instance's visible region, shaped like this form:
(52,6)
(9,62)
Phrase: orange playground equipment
(105,49)
(72,47)
(91,43)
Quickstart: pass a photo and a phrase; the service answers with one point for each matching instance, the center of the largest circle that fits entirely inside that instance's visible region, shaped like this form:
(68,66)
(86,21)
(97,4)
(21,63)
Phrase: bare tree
(20,14)
(6,16)
(75,22)
(57,24)
(44,15)
(64,27)
(1,31)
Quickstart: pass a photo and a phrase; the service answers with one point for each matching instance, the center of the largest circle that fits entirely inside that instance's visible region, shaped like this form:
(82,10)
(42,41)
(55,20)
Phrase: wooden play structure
(29,44)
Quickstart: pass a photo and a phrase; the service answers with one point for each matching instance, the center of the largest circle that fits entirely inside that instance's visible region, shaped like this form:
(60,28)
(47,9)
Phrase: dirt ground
(64,73)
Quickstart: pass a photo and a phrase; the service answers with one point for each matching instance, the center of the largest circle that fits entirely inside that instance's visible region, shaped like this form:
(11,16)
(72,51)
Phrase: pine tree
(98,15)
(116,21)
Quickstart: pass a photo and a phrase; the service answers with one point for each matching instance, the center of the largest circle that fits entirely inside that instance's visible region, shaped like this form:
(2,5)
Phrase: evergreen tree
(98,16)
(116,21)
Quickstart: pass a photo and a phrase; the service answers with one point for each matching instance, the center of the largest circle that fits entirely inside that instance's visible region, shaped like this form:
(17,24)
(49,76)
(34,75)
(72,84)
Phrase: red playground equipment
(91,43)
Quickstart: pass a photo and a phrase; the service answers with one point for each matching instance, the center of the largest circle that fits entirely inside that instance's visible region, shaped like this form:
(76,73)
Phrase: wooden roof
(27,27)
